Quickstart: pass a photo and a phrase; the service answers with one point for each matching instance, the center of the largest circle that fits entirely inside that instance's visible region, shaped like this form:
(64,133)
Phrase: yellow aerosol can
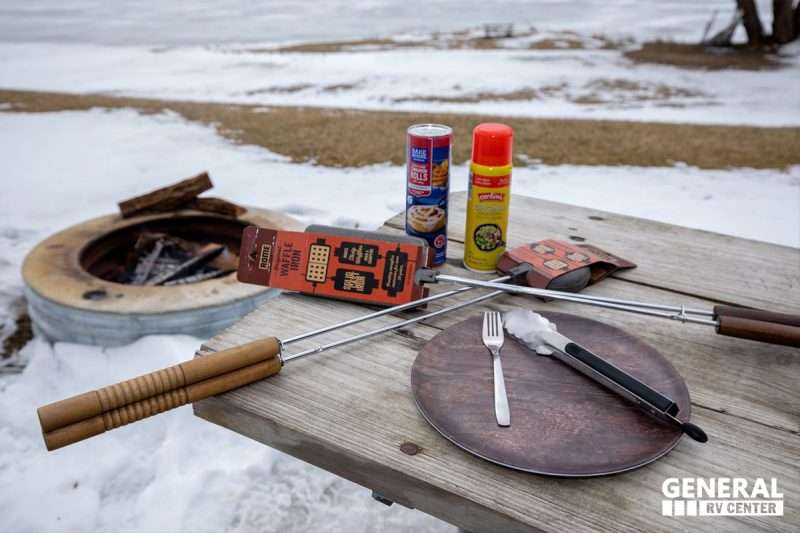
(488,196)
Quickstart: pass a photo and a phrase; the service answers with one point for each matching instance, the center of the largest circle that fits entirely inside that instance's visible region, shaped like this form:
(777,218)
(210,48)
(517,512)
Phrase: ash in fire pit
(163,259)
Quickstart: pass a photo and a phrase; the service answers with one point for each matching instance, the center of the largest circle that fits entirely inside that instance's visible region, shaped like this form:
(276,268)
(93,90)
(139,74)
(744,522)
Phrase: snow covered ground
(581,83)
(175,472)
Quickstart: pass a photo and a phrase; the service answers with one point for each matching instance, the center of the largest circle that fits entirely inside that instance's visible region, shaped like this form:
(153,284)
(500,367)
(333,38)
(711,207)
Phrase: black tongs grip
(620,382)
(650,395)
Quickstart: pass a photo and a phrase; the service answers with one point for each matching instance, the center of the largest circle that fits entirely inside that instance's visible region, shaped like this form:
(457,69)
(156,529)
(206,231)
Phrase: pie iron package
(562,266)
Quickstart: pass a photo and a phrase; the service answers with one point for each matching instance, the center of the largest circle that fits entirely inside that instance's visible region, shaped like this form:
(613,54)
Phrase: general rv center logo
(721,496)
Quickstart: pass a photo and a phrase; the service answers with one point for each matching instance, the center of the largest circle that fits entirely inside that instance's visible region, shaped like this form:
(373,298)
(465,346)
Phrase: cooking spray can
(488,197)
(428,185)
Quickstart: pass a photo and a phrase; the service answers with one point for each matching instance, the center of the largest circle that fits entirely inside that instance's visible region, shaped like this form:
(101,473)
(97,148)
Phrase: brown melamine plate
(562,423)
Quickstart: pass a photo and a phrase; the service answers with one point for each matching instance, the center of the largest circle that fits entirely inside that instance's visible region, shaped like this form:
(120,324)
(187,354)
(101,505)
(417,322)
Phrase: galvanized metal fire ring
(67,301)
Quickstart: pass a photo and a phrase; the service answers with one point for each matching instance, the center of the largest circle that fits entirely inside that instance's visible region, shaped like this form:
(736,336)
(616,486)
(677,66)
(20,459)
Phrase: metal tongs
(543,338)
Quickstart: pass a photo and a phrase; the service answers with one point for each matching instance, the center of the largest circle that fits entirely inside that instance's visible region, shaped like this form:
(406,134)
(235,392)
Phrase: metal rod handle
(382,312)
(576,298)
(390,327)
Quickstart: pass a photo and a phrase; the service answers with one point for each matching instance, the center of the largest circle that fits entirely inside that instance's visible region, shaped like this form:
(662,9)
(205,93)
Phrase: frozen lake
(233,21)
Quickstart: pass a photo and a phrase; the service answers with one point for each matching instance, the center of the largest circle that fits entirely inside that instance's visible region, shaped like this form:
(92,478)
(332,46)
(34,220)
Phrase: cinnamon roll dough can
(428,185)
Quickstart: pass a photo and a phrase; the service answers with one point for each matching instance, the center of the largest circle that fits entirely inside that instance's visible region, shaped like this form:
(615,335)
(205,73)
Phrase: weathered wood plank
(709,265)
(349,410)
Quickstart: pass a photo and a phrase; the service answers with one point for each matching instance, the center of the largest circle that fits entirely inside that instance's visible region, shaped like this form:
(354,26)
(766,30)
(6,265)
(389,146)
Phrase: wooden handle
(757,330)
(159,403)
(90,404)
(756,314)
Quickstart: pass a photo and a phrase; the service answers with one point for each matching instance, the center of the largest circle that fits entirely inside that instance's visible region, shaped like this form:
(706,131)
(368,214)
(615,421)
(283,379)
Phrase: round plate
(562,423)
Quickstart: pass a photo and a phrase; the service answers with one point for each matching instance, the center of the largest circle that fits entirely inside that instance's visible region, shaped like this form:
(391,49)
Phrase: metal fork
(493,339)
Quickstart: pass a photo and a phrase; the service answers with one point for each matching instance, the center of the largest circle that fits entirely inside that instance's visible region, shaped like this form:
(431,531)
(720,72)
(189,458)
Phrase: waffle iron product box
(361,266)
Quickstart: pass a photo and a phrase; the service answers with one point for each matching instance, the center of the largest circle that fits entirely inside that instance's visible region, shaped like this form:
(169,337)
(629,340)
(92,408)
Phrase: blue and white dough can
(428,185)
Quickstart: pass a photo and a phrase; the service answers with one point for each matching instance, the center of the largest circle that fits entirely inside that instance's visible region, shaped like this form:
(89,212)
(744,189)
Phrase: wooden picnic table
(350,410)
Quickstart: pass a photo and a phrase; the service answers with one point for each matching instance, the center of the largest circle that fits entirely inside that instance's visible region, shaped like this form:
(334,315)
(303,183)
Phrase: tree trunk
(797,21)
(782,23)
(752,23)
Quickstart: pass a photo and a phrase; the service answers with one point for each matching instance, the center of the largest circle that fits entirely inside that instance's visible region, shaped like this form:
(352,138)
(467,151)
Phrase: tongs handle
(620,382)
(619,376)
(91,413)
(758,325)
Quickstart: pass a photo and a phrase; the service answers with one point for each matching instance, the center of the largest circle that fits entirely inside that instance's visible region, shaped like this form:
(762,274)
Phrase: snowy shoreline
(586,83)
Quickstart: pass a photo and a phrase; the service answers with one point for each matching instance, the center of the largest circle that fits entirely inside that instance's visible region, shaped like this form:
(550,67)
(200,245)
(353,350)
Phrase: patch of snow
(175,472)
(172,472)
(755,204)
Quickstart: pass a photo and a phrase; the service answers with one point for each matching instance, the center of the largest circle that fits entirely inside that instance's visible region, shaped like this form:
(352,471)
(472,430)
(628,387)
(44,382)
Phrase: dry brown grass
(657,91)
(620,91)
(458,40)
(451,42)
(600,91)
(343,137)
(333,47)
(342,46)
(695,56)
(23,331)
(296,88)
(557,44)
(682,55)
(510,96)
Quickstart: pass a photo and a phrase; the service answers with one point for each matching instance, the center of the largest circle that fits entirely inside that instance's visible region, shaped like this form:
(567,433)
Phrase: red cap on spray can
(491,144)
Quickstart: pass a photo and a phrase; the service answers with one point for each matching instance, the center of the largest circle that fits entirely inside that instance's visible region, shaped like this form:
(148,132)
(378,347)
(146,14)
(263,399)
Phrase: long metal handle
(678,312)
(501,409)
(390,327)
(68,430)
(382,312)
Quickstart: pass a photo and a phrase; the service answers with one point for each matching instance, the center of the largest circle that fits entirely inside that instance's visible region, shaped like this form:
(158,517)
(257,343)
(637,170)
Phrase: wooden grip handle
(757,330)
(71,410)
(756,314)
(159,403)
(89,404)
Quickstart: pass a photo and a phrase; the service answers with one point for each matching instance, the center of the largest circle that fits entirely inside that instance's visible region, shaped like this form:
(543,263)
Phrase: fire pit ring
(68,299)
